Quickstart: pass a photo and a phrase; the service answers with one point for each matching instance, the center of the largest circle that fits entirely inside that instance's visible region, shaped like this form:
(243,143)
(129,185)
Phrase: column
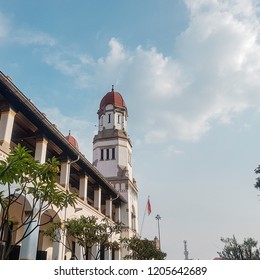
(83,187)
(118,214)
(109,207)
(94,252)
(117,254)
(57,251)
(108,254)
(30,243)
(6,126)
(79,252)
(65,174)
(57,247)
(97,198)
(41,149)
(124,214)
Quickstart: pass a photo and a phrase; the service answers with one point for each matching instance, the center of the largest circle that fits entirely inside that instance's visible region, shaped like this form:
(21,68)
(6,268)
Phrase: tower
(112,156)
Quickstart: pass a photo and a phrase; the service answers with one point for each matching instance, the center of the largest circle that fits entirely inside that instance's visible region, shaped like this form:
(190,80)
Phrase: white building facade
(105,189)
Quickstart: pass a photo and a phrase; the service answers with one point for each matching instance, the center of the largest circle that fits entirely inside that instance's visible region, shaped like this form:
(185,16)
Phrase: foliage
(87,232)
(23,179)
(257,184)
(234,251)
(142,249)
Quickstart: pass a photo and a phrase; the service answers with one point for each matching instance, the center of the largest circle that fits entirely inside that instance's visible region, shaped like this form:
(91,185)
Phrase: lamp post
(158,218)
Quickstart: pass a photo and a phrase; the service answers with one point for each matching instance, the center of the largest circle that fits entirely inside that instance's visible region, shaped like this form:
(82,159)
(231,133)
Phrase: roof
(22,104)
(114,98)
(72,141)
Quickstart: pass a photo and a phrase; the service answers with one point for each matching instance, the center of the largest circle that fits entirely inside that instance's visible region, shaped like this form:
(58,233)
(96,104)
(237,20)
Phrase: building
(112,156)
(105,188)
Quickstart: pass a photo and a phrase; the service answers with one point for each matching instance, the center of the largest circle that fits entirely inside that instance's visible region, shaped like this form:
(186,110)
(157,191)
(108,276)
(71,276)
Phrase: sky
(189,74)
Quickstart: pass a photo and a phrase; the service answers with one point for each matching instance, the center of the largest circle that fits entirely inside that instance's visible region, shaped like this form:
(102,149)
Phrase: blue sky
(189,74)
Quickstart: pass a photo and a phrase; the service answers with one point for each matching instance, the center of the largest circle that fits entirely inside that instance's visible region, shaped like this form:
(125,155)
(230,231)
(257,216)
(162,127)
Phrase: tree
(32,185)
(257,184)
(87,232)
(234,251)
(142,249)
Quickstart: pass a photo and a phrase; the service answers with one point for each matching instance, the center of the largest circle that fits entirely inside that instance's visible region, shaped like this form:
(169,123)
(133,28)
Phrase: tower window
(107,153)
(102,155)
(118,118)
(113,153)
(109,118)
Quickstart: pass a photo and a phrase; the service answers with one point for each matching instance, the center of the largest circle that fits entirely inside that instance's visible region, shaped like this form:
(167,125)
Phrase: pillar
(41,149)
(83,187)
(65,174)
(57,251)
(30,243)
(97,198)
(6,126)
(124,214)
(118,214)
(79,252)
(109,207)
(94,251)
(108,254)
(57,247)
(117,254)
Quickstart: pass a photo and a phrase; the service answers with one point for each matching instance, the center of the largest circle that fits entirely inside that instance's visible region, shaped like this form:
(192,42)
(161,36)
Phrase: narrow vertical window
(102,252)
(109,118)
(118,119)
(107,153)
(73,251)
(102,155)
(113,153)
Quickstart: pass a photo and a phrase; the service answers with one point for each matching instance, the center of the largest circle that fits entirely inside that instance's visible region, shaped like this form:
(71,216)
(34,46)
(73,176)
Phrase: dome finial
(112,88)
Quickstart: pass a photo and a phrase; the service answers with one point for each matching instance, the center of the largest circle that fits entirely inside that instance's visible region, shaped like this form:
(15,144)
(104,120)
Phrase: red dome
(113,98)
(72,141)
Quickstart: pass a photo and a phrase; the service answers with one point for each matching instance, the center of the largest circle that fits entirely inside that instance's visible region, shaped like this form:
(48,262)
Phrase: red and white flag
(149,208)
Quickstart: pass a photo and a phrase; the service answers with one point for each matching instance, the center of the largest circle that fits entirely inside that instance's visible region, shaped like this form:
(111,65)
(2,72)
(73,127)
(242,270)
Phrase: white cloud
(5,27)
(171,150)
(65,66)
(219,55)
(28,37)
(116,55)
(212,75)
(78,126)
(17,35)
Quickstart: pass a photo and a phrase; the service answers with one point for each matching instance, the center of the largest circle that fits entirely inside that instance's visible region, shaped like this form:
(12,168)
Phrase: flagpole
(144,217)
(143,220)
